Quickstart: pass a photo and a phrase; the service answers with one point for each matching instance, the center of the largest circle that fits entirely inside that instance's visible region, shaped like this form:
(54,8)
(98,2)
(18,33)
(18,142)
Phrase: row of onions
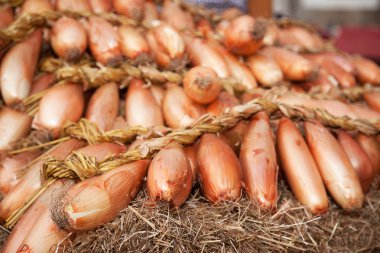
(247,159)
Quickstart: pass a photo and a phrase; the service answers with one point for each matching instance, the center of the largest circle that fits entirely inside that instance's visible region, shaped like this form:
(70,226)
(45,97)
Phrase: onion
(158,93)
(367,70)
(10,168)
(103,107)
(330,63)
(68,39)
(265,69)
(244,35)
(364,112)
(223,101)
(373,100)
(150,12)
(372,149)
(336,170)
(202,85)
(191,155)
(130,8)
(133,44)
(104,41)
(301,37)
(202,54)
(358,158)
(97,200)
(119,123)
(43,236)
(231,13)
(219,170)
(31,179)
(141,109)
(178,109)
(324,81)
(35,6)
(234,136)
(17,68)
(221,27)
(238,70)
(70,5)
(168,46)
(258,160)
(27,225)
(42,83)
(294,66)
(300,168)
(169,176)
(13,126)
(101,6)
(288,40)
(59,105)
(175,16)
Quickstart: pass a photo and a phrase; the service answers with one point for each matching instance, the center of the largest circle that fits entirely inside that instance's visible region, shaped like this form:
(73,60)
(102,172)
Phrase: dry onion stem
(82,167)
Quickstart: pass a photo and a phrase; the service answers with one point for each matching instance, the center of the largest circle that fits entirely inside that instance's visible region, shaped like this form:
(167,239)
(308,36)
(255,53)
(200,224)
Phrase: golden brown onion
(133,44)
(324,81)
(265,69)
(271,35)
(169,176)
(68,39)
(158,93)
(104,106)
(17,68)
(141,109)
(358,158)
(175,16)
(73,5)
(11,167)
(202,54)
(219,170)
(35,6)
(167,46)
(202,85)
(6,16)
(104,42)
(223,101)
(372,148)
(259,164)
(300,168)
(336,170)
(178,109)
(100,6)
(367,70)
(42,82)
(31,180)
(373,100)
(13,126)
(293,66)
(244,35)
(150,12)
(130,8)
(59,105)
(191,155)
(98,200)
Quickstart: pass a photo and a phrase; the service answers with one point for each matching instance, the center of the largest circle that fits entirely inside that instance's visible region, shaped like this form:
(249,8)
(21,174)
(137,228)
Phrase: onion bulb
(169,176)
(367,70)
(133,44)
(68,39)
(336,170)
(100,6)
(244,35)
(219,170)
(104,41)
(300,168)
(59,105)
(202,85)
(259,164)
(11,167)
(358,158)
(223,101)
(175,16)
(141,109)
(373,100)
(18,66)
(130,8)
(73,5)
(98,200)
(372,148)
(104,106)
(266,70)
(178,109)
(35,6)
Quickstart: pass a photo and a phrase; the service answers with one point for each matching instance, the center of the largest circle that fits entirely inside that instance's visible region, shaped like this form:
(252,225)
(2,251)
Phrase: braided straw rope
(78,166)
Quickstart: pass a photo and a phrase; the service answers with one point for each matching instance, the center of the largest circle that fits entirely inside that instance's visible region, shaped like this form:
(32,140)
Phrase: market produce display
(103,101)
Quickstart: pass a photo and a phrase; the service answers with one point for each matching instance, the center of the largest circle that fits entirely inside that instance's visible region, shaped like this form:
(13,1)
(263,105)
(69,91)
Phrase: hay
(199,226)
